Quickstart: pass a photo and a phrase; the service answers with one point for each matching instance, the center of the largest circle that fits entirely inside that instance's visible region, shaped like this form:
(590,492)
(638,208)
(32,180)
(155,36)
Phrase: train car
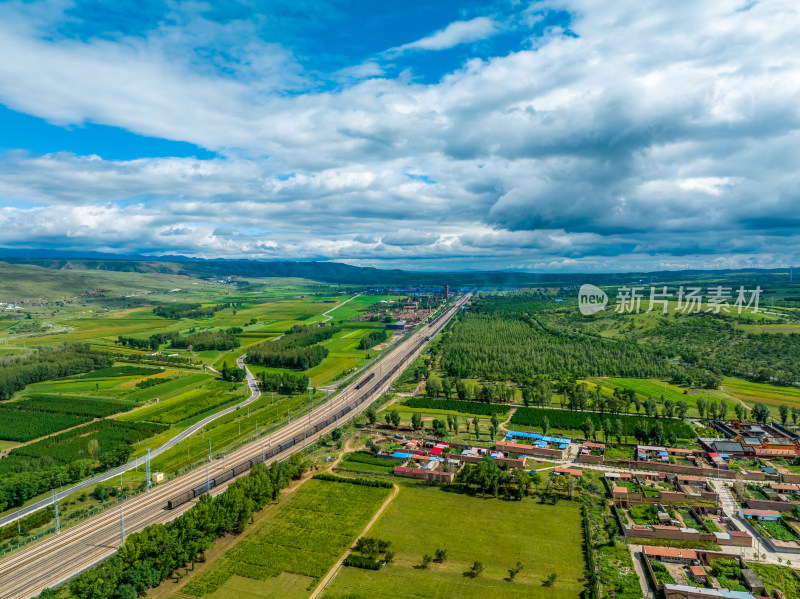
(179,500)
(284,446)
(204,488)
(259,458)
(222,478)
(272,452)
(365,381)
(239,468)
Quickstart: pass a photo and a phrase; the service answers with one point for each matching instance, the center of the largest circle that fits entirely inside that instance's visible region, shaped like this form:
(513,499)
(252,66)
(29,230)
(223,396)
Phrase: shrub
(359,561)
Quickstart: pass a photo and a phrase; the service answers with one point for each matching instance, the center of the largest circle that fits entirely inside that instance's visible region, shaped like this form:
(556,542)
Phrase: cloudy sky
(550,135)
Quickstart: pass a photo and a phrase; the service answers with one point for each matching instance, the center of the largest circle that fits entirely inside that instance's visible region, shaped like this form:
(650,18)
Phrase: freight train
(185,496)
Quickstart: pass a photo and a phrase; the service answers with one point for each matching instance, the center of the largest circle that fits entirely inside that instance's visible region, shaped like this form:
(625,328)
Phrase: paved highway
(255,393)
(61,557)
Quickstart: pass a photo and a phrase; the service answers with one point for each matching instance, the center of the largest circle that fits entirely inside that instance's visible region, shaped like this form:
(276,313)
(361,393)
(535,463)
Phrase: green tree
(440,556)
(681,409)
(433,387)
(783,409)
(512,572)
(545,425)
(475,569)
(426,561)
(416,421)
(372,417)
(495,425)
(760,413)
(701,407)
(394,415)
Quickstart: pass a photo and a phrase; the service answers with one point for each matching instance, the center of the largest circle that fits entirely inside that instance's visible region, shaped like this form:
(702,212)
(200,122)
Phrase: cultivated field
(422,519)
(303,536)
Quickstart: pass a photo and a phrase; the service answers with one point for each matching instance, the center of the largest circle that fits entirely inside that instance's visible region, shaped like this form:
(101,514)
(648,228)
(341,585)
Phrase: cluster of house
(690,574)
(439,462)
(750,440)
(522,444)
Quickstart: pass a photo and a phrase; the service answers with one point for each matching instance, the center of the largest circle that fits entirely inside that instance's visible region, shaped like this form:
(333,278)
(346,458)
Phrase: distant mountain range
(332,272)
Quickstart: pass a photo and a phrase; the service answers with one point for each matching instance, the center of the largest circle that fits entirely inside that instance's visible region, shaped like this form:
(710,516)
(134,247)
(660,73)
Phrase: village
(734,492)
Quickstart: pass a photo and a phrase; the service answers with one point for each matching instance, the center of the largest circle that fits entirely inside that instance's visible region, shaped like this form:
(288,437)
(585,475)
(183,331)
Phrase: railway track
(61,557)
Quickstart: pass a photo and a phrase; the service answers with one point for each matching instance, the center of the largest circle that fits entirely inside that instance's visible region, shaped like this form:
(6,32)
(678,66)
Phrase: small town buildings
(768,515)
(671,555)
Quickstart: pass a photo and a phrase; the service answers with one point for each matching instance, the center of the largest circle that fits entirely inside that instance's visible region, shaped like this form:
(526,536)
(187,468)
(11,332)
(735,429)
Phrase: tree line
(374,338)
(148,557)
(178,311)
(297,349)
(47,364)
(283,382)
(519,337)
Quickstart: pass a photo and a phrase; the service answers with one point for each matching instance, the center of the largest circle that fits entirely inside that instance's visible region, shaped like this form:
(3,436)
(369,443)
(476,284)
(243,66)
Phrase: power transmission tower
(55,511)
(147,471)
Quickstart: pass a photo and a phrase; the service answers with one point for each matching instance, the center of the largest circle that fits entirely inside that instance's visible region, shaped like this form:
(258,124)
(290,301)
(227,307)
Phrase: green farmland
(421,519)
(302,536)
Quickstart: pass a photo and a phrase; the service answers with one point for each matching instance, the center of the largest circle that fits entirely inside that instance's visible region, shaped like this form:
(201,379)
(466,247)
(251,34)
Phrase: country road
(252,382)
(255,393)
(58,558)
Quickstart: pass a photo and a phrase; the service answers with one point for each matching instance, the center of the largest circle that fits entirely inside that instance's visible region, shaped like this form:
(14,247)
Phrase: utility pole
(55,511)
(147,471)
(208,479)
(209,450)
(263,454)
(256,429)
(121,527)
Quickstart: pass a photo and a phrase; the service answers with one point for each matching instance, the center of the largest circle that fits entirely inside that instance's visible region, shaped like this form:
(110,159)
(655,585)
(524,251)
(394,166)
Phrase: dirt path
(503,425)
(171,587)
(335,569)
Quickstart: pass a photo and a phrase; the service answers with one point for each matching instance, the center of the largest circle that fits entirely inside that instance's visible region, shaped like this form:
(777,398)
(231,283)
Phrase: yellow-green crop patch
(304,535)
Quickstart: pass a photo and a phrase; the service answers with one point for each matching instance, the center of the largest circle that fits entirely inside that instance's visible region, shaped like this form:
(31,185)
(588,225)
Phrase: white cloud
(456,33)
(648,137)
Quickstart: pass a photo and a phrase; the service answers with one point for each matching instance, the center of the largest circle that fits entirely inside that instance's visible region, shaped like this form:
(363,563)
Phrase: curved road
(60,557)
(255,393)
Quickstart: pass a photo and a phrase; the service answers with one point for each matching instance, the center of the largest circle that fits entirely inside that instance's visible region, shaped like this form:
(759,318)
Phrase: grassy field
(777,577)
(771,395)
(303,536)
(655,389)
(421,519)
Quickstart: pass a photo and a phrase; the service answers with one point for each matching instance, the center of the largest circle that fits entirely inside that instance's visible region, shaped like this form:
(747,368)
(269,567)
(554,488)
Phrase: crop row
(303,538)
(71,404)
(22,425)
(567,419)
(113,371)
(73,445)
(456,405)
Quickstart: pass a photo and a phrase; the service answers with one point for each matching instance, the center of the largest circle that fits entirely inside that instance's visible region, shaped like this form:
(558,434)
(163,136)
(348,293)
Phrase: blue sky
(548,135)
